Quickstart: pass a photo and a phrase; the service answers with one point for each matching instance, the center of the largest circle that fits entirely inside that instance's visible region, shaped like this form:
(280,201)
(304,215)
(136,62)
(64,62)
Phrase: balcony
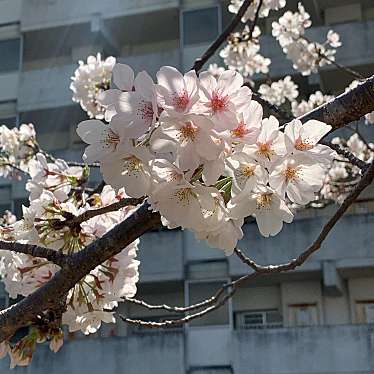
(37,14)
(49,87)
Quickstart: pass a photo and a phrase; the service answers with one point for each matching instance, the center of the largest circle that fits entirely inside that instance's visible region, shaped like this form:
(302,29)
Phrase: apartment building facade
(317,319)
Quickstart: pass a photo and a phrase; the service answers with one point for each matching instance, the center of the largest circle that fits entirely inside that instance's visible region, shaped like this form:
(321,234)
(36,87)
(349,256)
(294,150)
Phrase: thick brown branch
(348,107)
(75,268)
(35,251)
(199,62)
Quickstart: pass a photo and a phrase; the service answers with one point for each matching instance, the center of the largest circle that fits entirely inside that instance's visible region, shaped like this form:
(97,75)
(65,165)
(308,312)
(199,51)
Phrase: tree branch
(74,221)
(75,268)
(348,155)
(348,107)
(35,251)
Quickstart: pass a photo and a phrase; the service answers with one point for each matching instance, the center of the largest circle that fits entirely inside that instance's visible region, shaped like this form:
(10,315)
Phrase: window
(365,311)
(258,319)
(303,315)
(200,25)
(10,55)
(5,199)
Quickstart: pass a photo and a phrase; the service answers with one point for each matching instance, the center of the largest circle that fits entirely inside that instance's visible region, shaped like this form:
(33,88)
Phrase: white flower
(246,173)
(266,206)
(102,139)
(89,80)
(279,91)
(298,177)
(242,53)
(191,139)
(267,5)
(333,39)
(303,138)
(137,110)
(307,56)
(215,70)
(224,237)
(176,93)
(316,99)
(128,168)
(183,205)
(248,124)
(222,98)
(269,145)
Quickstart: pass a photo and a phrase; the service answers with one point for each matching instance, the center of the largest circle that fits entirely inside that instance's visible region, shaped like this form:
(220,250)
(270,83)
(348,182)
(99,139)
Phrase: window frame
(192,9)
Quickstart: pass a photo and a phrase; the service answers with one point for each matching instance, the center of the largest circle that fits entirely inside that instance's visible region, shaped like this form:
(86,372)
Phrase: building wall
(331,291)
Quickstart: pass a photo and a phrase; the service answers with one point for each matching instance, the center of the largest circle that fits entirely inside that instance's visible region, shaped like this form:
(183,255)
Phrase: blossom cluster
(307,56)
(53,201)
(89,80)
(343,176)
(242,53)
(201,152)
(266,7)
(17,147)
(304,106)
(280,91)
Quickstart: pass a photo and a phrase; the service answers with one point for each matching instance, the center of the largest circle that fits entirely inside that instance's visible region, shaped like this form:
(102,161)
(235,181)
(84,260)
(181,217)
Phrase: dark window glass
(200,25)
(10,55)
(18,206)
(9,122)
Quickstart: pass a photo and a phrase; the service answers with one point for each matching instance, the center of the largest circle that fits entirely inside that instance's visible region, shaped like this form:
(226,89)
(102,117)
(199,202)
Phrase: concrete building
(318,319)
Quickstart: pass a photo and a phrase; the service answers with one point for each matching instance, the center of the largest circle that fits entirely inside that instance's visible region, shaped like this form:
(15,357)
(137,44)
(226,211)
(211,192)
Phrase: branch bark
(35,251)
(348,107)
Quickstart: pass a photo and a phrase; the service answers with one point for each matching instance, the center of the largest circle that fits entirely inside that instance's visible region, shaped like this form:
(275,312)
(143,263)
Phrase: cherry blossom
(242,53)
(307,56)
(280,91)
(315,100)
(266,206)
(303,138)
(89,80)
(223,97)
(298,177)
(266,6)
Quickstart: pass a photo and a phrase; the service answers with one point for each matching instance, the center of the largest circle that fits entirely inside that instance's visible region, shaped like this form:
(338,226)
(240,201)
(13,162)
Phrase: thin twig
(178,309)
(348,155)
(255,20)
(199,62)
